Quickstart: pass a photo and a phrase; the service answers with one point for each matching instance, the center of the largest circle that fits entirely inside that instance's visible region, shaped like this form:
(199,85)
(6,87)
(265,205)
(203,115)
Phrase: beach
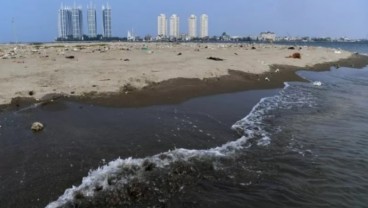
(90,70)
(138,125)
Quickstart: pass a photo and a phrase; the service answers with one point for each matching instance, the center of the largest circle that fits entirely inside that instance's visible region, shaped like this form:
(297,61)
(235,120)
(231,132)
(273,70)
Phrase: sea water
(304,147)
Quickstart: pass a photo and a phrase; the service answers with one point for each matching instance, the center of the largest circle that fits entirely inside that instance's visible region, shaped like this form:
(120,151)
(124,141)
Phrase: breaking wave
(124,182)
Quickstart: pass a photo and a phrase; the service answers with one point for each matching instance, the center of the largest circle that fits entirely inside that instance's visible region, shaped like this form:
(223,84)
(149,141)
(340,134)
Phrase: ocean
(303,145)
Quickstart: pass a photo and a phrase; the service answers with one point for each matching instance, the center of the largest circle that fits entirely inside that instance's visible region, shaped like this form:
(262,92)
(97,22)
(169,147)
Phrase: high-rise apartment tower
(192,26)
(65,23)
(106,15)
(204,26)
(77,22)
(92,21)
(174,26)
(162,25)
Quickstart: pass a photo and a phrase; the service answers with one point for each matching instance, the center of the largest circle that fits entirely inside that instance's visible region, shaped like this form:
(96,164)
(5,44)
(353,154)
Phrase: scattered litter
(317,83)
(236,53)
(37,126)
(291,48)
(267,79)
(179,54)
(295,56)
(31,93)
(337,51)
(69,57)
(126,60)
(215,58)
(253,48)
(277,70)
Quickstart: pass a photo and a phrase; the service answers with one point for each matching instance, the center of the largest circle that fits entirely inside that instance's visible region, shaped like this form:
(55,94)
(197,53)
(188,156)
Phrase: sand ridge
(38,70)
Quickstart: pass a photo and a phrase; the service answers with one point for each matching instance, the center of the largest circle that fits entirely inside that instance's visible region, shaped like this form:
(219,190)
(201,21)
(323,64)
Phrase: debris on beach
(277,70)
(295,56)
(37,127)
(179,54)
(291,48)
(69,57)
(126,59)
(253,48)
(317,83)
(235,53)
(267,79)
(127,88)
(31,93)
(215,58)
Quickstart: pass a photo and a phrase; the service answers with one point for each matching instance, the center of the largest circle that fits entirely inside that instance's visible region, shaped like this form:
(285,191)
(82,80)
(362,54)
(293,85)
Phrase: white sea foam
(251,127)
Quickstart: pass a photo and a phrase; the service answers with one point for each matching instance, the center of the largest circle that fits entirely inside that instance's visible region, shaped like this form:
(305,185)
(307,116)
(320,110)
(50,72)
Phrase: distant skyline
(37,20)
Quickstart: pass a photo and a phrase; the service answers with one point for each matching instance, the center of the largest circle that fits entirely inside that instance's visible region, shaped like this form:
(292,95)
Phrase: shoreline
(181,88)
(178,90)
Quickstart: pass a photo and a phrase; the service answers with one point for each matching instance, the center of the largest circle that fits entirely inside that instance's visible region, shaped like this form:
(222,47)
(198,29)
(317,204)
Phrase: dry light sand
(44,69)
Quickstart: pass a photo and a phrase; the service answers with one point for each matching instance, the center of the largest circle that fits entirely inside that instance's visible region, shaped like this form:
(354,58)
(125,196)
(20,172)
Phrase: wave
(124,181)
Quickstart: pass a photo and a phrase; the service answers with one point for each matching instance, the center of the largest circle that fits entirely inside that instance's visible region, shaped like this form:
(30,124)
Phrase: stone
(37,127)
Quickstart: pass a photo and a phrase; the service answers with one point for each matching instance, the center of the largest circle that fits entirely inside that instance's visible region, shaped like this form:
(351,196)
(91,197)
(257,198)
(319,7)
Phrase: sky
(36,20)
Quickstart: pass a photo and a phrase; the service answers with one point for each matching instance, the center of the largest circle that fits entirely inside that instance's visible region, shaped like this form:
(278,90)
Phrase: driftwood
(215,58)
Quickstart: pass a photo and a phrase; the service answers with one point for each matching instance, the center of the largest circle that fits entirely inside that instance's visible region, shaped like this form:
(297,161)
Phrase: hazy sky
(36,20)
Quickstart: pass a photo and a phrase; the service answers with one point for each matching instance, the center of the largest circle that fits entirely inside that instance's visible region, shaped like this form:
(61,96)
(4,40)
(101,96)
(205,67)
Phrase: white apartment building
(174,26)
(204,26)
(162,25)
(92,21)
(267,36)
(192,26)
(106,20)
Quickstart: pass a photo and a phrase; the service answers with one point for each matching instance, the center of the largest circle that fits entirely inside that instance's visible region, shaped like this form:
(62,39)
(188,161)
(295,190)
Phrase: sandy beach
(80,70)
